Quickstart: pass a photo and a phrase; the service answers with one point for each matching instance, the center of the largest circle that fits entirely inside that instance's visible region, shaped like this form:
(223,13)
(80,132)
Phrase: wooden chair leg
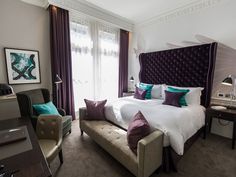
(61,156)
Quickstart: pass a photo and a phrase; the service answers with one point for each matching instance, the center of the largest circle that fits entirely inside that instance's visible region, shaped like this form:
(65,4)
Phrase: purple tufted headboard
(187,67)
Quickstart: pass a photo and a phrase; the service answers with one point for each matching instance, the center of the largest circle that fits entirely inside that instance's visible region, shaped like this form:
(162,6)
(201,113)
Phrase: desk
(30,163)
(228,114)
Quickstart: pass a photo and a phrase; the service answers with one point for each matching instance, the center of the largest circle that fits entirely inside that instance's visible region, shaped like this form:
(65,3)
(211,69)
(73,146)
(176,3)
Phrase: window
(95,61)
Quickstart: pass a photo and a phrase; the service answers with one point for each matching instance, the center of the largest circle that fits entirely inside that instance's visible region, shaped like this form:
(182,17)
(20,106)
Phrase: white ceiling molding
(93,11)
(181,11)
(40,3)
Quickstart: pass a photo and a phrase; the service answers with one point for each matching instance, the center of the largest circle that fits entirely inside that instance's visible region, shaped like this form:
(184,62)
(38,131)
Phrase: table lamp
(131,79)
(230,81)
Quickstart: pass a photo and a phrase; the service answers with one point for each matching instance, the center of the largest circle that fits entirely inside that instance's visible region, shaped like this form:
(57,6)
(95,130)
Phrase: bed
(183,67)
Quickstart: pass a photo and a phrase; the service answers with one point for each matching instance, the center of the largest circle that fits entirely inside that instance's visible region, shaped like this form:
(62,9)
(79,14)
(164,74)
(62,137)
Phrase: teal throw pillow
(182,100)
(47,108)
(148,88)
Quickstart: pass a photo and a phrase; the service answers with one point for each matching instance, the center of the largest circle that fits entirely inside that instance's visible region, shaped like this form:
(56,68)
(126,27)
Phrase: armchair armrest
(50,127)
(150,153)
(34,120)
(61,111)
(82,113)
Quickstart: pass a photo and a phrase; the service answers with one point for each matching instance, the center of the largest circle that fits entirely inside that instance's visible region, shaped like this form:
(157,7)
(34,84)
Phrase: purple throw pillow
(140,93)
(95,109)
(172,98)
(138,129)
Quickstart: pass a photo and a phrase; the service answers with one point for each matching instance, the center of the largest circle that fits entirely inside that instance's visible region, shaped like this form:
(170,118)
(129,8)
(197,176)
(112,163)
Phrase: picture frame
(23,66)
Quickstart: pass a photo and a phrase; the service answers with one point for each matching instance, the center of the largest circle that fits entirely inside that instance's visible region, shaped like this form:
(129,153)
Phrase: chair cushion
(49,147)
(112,139)
(47,108)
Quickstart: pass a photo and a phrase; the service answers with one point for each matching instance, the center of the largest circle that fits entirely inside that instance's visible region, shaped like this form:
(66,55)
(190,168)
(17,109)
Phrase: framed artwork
(22,66)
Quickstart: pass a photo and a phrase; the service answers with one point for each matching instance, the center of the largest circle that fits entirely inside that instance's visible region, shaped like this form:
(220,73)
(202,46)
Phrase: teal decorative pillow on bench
(46,108)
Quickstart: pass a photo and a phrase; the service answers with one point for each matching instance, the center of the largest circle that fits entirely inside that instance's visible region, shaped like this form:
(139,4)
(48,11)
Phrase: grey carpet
(212,157)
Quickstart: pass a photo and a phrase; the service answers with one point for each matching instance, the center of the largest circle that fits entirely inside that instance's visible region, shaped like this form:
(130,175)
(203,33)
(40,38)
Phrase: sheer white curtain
(95,59)
(82,62)
(108,44)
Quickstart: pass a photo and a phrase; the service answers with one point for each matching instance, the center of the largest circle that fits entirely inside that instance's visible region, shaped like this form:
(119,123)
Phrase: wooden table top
(30,163)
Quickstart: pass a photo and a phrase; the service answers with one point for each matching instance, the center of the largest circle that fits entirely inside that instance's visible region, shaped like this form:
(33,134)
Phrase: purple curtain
(61,58)
(123,62)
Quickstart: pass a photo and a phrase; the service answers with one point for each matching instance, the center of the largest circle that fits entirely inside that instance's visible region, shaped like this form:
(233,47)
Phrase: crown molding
(178,12)
(40,3)
(91,10)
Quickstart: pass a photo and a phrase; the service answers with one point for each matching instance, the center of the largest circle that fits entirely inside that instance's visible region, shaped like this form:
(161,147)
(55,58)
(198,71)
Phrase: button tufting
(187,67)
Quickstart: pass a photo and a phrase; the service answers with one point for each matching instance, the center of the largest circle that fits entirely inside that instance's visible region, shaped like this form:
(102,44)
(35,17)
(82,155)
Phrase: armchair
(49,133)
(39,96)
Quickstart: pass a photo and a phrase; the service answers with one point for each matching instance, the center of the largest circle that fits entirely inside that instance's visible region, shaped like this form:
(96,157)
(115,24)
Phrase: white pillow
(193,97)
(157,91)
(163,88)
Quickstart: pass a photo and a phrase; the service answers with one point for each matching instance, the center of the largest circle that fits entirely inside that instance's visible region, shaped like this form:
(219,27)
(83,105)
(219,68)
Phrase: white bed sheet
(177,124)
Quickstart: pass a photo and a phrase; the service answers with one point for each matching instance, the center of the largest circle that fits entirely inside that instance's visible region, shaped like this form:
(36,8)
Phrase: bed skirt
(171,158)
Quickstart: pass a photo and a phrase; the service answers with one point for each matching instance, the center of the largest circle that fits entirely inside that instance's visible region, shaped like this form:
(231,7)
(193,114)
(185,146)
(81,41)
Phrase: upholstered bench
(113,140)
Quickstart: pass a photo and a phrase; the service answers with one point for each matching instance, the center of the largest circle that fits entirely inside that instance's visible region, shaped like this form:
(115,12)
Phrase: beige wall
(25,26)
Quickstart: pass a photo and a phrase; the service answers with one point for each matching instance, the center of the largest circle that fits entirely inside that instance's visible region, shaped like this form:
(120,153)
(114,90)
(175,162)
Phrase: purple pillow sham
(95,109)
(140,93)
(138,128)
(172,98)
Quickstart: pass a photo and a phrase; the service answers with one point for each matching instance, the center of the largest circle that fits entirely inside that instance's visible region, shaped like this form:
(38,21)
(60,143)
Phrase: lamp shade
(57,80)
(228,81)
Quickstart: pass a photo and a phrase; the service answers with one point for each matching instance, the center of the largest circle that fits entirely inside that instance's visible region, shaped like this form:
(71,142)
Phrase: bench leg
(81,131)
(61,156)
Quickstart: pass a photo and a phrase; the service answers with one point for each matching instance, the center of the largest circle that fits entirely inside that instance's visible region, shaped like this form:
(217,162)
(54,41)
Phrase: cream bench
(113,140)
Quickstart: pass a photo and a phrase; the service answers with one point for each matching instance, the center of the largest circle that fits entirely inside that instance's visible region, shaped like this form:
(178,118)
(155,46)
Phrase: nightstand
(129,93)
(228,114)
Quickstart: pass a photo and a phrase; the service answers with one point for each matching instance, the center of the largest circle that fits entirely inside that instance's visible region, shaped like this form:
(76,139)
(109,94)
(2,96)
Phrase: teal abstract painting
(22,66)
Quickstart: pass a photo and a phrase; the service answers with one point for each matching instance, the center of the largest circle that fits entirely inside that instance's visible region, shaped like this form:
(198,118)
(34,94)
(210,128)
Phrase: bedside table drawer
(221,114)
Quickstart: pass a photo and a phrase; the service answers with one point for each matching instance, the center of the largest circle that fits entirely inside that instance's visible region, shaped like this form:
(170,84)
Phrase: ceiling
(135,11)
(139,11)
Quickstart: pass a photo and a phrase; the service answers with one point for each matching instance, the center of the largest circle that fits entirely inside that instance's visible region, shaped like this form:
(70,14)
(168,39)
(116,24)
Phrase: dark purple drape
(123,62)
(61,62)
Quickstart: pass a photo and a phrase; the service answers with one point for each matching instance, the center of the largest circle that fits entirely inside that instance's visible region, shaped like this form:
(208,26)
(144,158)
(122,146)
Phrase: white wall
(216,22)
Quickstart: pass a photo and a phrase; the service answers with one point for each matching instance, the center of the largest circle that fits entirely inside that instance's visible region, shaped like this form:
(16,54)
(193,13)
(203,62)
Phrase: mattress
(177,124)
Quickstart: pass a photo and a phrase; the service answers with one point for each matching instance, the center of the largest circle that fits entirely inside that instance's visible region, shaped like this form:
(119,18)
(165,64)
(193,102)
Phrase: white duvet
(177,124)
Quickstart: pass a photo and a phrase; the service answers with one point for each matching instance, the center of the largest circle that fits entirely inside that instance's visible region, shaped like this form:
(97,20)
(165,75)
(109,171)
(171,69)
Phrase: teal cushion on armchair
(47,108)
